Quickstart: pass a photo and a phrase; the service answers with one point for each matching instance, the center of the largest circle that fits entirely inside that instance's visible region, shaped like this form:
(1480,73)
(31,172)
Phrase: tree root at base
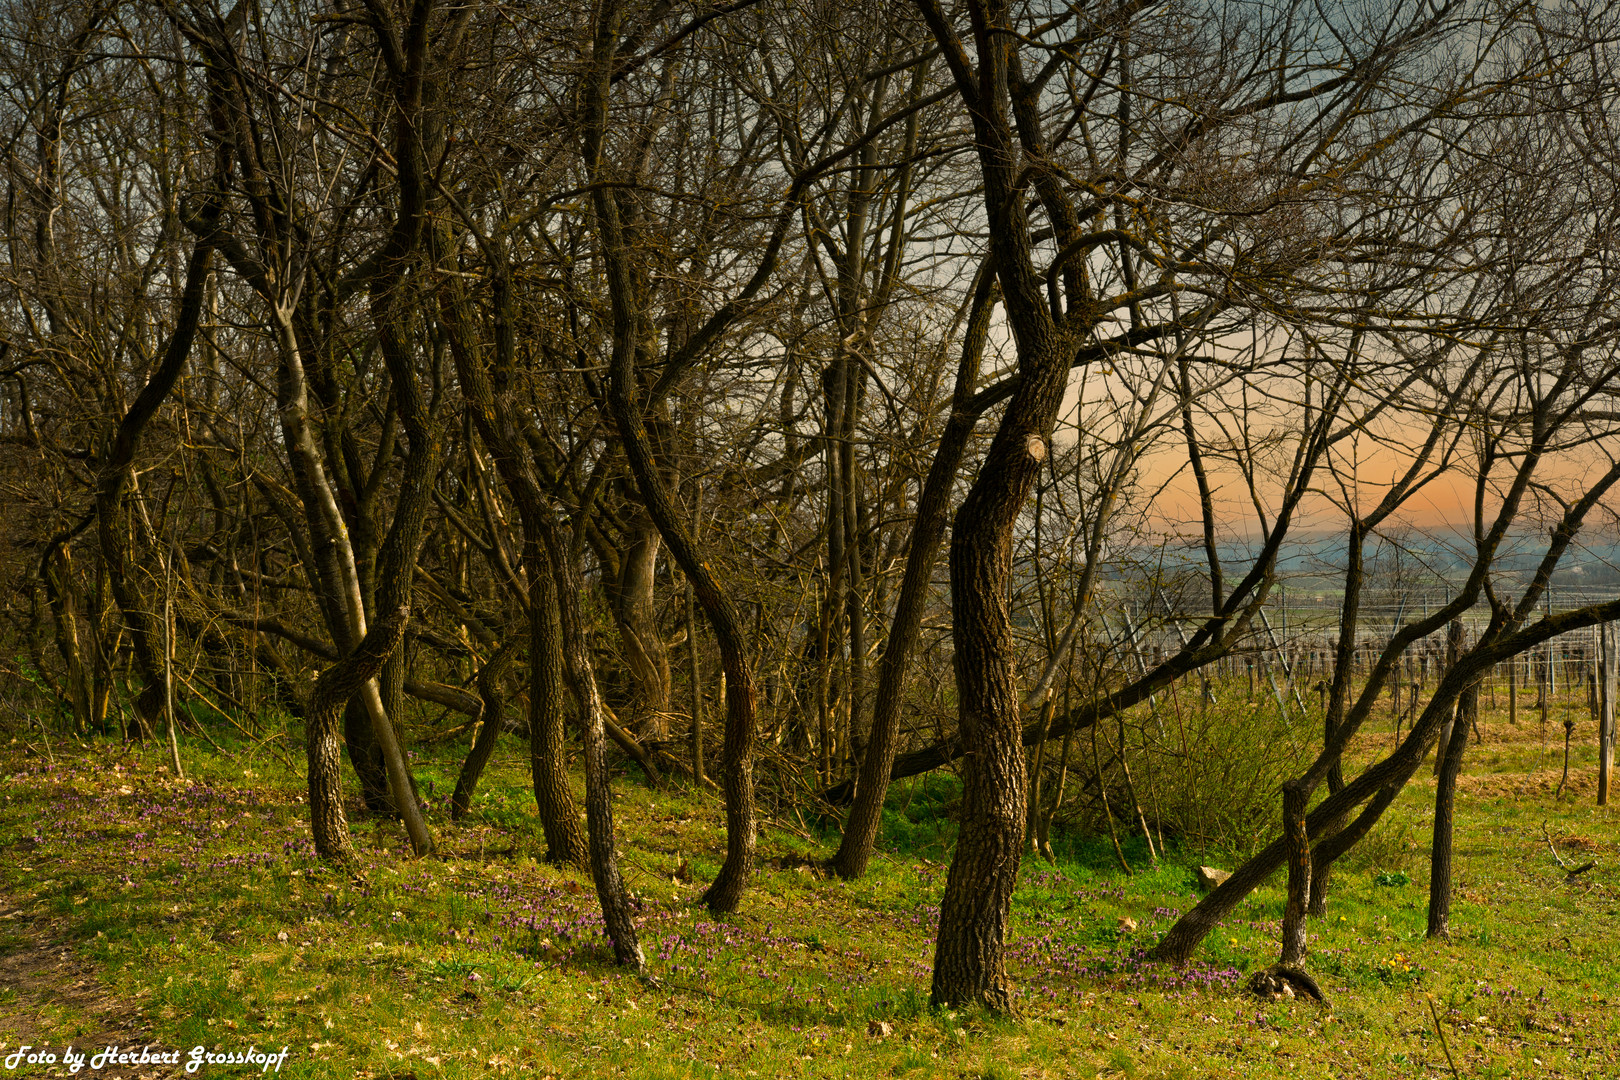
(1280,981)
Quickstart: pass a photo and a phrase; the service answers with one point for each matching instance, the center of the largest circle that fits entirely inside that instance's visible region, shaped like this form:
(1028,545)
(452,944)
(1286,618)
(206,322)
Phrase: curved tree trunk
(337,685)
(968,958)
(489,731)
(293,398)
(114,477)
(737,752)
(492,414)
(1380,782)
(1377,785)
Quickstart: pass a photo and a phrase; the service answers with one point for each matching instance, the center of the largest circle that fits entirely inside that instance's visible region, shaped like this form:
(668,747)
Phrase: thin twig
(1556,857)
(206,700)
(1440,1031)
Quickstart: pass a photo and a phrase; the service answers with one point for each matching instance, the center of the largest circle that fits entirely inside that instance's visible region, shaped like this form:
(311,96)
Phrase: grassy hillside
(139,910)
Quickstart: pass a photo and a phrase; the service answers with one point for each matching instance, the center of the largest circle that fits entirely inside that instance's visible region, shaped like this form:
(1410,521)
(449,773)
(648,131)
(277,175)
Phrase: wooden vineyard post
(1591,678)
(1606,689)
(1544,686)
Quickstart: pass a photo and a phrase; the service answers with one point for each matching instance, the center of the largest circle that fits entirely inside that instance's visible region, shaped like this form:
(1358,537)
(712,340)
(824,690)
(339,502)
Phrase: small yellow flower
(1234,942)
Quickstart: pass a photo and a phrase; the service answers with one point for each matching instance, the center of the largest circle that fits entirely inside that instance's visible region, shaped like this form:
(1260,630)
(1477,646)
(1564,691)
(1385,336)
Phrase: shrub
(1207,775)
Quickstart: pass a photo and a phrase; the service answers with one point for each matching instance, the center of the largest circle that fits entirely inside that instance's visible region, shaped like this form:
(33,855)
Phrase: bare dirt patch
(50,999)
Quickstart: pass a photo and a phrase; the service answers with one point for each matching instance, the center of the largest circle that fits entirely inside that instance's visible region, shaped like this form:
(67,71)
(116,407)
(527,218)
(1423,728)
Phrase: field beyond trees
(138,909)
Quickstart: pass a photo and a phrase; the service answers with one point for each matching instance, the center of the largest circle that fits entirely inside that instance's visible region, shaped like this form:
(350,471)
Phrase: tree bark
(694,676)
(1605,695)
(559,820)
(493,416)
(62,594)
(168,666)
(293,400)
(968,957)
(635,612)
(365,757)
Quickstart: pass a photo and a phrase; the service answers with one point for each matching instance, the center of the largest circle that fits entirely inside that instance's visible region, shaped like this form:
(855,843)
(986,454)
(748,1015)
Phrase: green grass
(202,906)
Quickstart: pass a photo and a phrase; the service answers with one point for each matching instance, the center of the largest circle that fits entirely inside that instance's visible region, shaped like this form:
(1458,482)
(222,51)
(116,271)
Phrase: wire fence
(1292,647)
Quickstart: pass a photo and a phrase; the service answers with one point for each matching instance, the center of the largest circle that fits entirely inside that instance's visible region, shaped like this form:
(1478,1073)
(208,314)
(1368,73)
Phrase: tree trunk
(1379,782)
(565,840)
(826,725)
(968,957)
(1606,689)
(489,731)
(114,477)
(168,666)
(1294,926)
(105,635)
(293,401)
(636,615)
(1445,796)
(610,890)
(1454,647)
(855,583)
(365,757)
(630,337)
(62,594)
(927,532)
(337,685)
(694,676)
(498,426)
(1383,779)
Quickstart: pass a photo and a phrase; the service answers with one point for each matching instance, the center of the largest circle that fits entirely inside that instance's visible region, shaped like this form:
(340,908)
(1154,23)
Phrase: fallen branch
(1559,859)
(1569,871)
